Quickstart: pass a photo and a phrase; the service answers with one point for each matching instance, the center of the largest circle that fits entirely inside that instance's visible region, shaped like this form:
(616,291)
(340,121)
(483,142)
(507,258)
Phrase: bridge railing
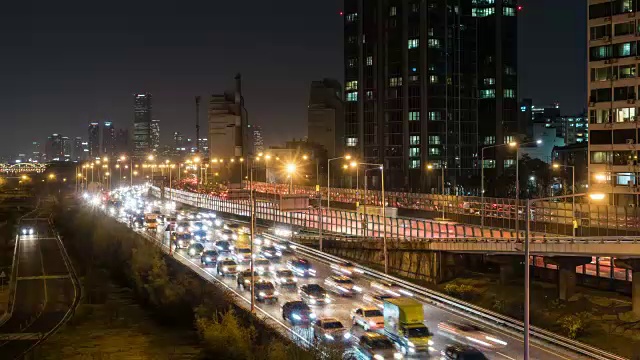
(338,221)
(499,210)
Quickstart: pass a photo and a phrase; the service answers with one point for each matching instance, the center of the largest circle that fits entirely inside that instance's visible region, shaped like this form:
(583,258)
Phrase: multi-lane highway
(341,307)
(44,291)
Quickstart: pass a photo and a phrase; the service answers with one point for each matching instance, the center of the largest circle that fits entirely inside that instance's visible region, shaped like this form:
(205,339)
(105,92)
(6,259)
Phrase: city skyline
(173,94)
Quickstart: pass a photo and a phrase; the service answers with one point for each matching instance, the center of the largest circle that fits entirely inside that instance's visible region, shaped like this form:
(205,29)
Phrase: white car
(389,288)
(342,285)
(375,299)
(285,278)
(263,266)
(346,268)
(330,329)
(27,230)
(470,335)
(369,317)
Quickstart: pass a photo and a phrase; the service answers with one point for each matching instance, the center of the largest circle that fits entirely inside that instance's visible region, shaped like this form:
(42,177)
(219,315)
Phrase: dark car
(271,252)
(244,279)
(314,294)
(209,257)
(462,352)
(198,225)
(183,240)
(227,267)
(301,267)
(297,312)
(284,247)
(373,345)
(223,245)
(137,221)
(265,291)
(200,235)
(195,249)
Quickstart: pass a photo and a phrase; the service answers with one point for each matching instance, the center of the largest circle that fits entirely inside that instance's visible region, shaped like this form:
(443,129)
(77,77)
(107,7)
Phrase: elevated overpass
(549,217)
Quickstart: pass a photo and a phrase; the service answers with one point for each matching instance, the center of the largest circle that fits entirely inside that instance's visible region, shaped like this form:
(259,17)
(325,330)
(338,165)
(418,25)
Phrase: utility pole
(198,124)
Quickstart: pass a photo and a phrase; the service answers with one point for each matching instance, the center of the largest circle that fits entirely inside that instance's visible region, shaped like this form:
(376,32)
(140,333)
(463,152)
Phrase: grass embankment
(165,305)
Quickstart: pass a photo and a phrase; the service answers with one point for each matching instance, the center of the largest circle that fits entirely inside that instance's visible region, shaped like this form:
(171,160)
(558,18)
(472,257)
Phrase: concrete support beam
(507,264)
(567,273)
(634,266)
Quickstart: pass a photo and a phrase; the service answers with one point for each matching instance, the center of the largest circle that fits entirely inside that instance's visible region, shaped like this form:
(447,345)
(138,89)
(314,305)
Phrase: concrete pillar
(567,273)
(634,266)
(507,264)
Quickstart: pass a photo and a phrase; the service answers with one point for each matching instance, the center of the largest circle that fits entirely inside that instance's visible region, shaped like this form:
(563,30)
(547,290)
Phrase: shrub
(574,325)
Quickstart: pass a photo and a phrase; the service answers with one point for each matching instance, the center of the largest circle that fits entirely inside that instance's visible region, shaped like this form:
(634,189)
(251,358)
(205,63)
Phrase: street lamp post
(431,167)
(518,146)
(384,214)
(573,191)
(348,157)
(482,211)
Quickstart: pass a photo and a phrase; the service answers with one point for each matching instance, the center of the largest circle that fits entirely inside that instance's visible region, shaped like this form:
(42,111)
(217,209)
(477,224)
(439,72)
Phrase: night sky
(65,63)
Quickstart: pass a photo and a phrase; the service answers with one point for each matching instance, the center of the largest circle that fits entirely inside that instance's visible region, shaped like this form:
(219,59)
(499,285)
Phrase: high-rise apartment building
(108,139)
(203,145)
(155,135)
(94,140)
(430,83)
(258,141)
(78,150)
(227,125)
(36,152)
(67,148)
(142,125)
(55,148)
(122,141)
(325,116)
(613,95)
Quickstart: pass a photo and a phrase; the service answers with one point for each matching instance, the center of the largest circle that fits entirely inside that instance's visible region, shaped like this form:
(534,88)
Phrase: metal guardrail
(540,240)
(471,310)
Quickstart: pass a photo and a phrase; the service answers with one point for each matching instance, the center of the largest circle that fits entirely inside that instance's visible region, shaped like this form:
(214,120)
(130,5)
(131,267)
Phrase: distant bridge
(22,168)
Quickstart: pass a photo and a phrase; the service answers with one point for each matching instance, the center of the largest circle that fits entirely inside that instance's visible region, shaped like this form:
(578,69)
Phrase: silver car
(330,329)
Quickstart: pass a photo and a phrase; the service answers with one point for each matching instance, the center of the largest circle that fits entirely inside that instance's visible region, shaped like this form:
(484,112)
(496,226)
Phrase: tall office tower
(78,150)
(142,125)
(36,152)
(227,124)
(122,141)
(613,112)
(325,116)
(54,148)
(178,140)
(203,145)
(108,139)
(155,135)
(94,140)
(67,148)
(417,81)
(258,142)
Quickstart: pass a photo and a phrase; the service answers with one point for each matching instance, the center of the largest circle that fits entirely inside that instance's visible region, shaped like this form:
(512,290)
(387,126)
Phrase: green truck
(404,325)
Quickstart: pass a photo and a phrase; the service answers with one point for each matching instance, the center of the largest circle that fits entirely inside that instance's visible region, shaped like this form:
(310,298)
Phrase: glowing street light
(597,196)
(150,157)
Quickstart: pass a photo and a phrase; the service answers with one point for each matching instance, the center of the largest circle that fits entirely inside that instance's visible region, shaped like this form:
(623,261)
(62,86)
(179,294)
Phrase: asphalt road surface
(341,306)
(44,290)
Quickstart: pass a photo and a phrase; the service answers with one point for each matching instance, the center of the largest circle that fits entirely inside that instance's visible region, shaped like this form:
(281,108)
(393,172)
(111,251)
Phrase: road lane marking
(501,354)
(44,281)
(20,336)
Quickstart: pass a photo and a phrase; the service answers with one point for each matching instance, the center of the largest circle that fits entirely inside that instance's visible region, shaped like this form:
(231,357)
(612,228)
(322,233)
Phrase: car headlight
(208,258)
(180,228)
(225,237)
(430,342)
(296,316)
(205,227)
(397,356)
(372,323)
(271,268)
(347,336)
(262,294)
(312,315)
(378,357)
(224,268)
(357,288)
(197,237)
(328,336)
(411,344)
(312,301)
(235,237)
(180,242)
(278,253)
(24,231)
(295,279)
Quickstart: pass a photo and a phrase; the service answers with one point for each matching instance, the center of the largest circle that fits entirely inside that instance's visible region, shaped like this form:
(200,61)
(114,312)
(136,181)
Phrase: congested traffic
(325,303)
